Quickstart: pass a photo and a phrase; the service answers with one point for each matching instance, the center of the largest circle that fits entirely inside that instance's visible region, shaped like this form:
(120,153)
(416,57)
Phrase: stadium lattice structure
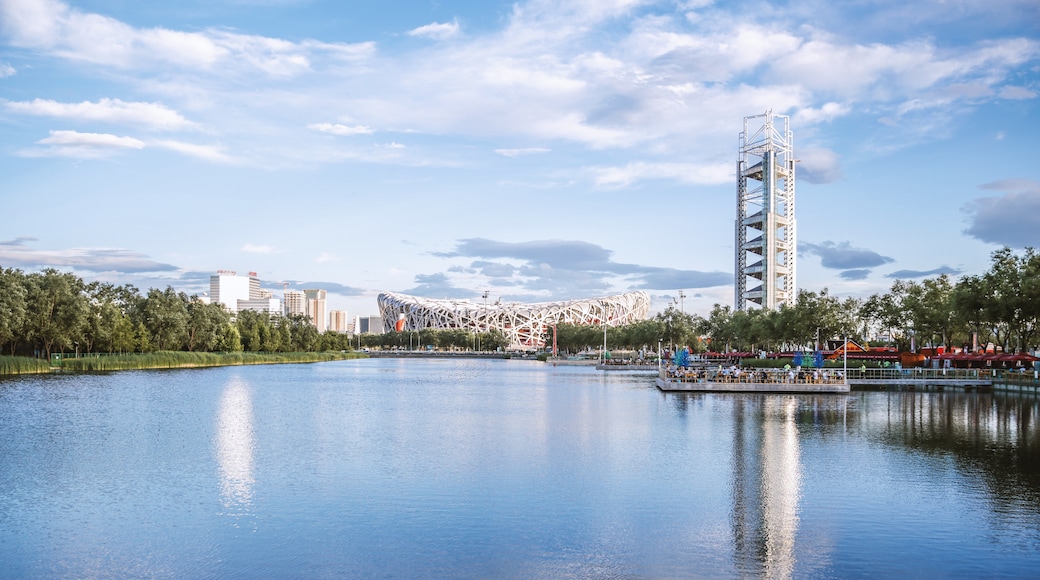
(525,325)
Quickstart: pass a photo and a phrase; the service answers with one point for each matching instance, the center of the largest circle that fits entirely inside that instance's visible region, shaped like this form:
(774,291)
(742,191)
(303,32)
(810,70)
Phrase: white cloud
(75,138)
(258,249)
(326,258)
(1016,93)
(6,70)
(17,253)
(708,174)
(54,26)
(153,115)
(81,145)
(205,152)
(632,75)
(524,151)
(337,129)
(818,165)
(437,30)
(823,114)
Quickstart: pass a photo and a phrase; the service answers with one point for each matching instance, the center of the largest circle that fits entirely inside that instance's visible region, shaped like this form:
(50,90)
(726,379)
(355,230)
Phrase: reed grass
(166,360)
(23,365)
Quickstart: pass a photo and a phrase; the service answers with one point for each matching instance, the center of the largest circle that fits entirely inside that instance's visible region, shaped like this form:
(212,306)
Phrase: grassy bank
(166,360)
(23,365)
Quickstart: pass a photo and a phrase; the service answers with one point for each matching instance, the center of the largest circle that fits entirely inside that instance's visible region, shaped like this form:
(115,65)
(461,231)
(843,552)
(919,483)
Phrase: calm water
(505,469)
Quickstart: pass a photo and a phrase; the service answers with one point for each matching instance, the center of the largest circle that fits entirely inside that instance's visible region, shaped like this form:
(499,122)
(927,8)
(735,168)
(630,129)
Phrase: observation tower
(766,241)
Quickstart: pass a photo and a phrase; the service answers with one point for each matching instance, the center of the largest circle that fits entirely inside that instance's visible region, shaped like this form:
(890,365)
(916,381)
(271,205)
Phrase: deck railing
(756,376)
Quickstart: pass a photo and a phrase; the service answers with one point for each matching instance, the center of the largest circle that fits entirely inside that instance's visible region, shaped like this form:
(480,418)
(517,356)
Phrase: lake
(505,469)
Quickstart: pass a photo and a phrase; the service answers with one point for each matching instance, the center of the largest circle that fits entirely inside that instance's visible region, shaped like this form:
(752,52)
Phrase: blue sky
(539,150)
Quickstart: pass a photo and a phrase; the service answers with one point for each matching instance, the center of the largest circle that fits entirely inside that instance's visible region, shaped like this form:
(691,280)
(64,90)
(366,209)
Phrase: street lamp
(485,309)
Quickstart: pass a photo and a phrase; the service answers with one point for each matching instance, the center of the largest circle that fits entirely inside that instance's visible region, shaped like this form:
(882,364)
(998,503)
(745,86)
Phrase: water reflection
(235,448)
(767,476)
(992,435)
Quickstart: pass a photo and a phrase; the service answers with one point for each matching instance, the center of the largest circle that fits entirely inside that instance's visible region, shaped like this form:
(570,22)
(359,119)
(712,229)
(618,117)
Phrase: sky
(536,150)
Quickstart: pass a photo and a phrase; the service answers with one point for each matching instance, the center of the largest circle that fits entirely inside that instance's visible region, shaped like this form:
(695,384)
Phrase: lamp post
(682,304)
(659,341)
(845,363)
(485,309)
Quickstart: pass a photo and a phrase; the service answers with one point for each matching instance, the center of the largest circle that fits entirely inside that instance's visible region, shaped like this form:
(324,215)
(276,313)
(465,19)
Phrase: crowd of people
(737,374)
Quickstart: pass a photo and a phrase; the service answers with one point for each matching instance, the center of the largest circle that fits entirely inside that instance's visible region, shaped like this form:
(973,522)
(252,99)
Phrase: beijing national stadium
(523,324)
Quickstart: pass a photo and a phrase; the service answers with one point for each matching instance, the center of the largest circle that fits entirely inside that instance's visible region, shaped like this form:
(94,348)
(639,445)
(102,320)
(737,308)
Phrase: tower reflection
(235,448)
(766,485)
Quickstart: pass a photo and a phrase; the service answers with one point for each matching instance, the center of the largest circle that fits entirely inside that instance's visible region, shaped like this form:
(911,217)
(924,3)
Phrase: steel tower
(766,242)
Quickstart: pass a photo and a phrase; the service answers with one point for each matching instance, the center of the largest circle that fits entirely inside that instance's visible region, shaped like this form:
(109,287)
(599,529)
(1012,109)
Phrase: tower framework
(766,237)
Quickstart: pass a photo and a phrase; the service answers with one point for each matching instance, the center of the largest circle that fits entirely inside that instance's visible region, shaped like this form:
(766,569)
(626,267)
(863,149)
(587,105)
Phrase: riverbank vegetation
(1000,306)
(181,359)
(54,312)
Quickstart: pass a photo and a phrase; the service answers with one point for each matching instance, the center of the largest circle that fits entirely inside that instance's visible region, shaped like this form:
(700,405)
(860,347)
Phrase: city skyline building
(765,272)
(315,307)
(269,305)
(295,302)
(338,321)
(228,288)
(369,325)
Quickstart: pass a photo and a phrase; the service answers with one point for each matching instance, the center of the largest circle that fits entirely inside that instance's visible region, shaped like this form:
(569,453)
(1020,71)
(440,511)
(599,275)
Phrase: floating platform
(694,386)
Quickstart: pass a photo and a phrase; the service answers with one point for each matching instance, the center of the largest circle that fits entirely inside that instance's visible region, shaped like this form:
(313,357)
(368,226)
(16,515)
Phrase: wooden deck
(834,381)
(675,386)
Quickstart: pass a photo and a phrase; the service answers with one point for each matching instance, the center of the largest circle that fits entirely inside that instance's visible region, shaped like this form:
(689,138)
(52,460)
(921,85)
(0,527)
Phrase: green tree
(231,341)
(12,307)
(165,315)
(676,326)
(143,338)
(59,309)
(105,304)
(123,337)
(206,325)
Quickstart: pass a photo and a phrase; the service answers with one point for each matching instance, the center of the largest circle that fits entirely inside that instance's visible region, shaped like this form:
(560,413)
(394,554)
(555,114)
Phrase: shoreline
(22,366)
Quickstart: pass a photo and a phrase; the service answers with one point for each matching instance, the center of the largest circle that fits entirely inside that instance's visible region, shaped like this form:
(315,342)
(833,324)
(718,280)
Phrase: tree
(206,325)
(677,327)
(248,323)
(165,315)
(105,305)
(123,338)
(59,309)
(231,341)
(12,307)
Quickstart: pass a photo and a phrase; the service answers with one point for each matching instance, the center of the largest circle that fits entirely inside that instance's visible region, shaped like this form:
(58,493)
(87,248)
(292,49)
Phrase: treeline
(52,311)
(1001,306)
(440,339)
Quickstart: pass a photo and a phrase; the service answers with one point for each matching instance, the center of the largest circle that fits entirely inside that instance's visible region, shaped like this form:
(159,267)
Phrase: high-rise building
(269,306)
(295,302)
(338,321)
(315,307)
(227,288)
(375,324)
(254,287)
(766,241)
